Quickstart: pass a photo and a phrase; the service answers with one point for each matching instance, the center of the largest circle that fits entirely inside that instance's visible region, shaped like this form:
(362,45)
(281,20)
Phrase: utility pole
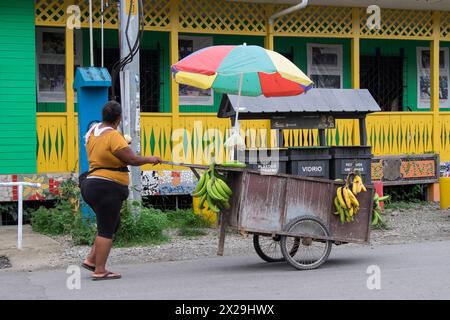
(129,86)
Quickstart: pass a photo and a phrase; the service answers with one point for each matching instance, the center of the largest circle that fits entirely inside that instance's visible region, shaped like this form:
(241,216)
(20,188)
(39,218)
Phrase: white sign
(423,78)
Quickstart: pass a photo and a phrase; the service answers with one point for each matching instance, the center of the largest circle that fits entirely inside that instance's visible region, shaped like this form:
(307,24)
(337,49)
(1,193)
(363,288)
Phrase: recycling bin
(309,161)
(345,159)
(267,161)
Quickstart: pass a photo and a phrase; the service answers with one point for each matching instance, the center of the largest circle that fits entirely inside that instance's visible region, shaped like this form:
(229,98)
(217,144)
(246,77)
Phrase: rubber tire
(261,253)
(289,258)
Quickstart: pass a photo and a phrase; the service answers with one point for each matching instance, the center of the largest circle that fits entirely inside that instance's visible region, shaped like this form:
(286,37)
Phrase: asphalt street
(408,271)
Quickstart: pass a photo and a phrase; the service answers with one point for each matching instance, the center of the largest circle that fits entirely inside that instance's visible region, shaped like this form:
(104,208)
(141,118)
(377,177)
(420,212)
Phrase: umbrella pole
(236,126)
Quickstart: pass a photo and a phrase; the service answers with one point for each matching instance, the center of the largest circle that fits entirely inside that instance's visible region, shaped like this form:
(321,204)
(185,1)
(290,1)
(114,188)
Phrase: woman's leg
(90,259)
(102,249)
(106,199)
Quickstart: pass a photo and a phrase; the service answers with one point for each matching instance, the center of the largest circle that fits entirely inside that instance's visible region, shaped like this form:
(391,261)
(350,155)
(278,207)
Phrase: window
(423,77)
(50,69)
(325,65)
(190,95)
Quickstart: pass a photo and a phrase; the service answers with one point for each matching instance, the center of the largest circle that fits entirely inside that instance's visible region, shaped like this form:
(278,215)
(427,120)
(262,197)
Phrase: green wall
(17,87)
(393,47)
(151,41)
(222,40)
(298,46)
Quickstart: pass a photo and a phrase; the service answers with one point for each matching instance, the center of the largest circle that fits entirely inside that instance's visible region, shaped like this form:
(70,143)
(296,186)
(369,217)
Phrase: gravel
(421,223)
(4,262)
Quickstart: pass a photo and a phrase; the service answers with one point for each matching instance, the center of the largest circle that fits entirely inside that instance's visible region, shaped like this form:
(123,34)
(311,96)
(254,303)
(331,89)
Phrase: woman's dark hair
(112,111)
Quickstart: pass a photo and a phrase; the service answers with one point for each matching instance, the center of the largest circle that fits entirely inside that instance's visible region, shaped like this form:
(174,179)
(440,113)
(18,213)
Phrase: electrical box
(92,86)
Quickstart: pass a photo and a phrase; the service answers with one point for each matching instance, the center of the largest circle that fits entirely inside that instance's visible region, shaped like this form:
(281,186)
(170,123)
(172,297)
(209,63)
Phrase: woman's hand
(127,156)
(155,160)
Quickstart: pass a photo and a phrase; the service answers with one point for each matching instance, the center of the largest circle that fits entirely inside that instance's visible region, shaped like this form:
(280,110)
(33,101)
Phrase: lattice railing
(445,25)
(50,12)
(214,16)
(314,20)
(157,14)
(399,24)
(109,15)
(230,17)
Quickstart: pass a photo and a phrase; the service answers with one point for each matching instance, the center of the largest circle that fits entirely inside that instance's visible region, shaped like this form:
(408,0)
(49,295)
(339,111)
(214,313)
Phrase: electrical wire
(121,63)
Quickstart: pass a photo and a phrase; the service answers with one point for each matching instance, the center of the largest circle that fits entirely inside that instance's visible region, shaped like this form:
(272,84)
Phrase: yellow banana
(348,202)
(340,197)
(363,188)
(355,202)
(355,188)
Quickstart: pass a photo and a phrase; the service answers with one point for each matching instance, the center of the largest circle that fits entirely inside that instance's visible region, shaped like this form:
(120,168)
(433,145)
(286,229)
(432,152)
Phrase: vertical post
(268,40)
(130,95)
(102,34)
(434,80)
(362,131)
(355,48)
(20,218)
(174,21)
(355,60)
(322,137)
(91,36)
(70,107)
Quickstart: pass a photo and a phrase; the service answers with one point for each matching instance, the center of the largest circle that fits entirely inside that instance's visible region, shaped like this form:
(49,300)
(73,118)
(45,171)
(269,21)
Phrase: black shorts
(105,198)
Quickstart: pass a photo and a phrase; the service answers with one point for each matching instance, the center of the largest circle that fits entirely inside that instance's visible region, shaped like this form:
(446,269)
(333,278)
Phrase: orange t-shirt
(100,153)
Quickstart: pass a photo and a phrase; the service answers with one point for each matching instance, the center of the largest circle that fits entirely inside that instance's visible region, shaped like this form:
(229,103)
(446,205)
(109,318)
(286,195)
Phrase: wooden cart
(291,217)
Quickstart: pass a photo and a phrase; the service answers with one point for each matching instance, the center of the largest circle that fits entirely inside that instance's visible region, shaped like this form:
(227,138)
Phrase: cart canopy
(342,103)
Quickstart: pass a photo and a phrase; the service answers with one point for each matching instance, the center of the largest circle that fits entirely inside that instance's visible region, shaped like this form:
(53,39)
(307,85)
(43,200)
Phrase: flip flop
(107,276)
(88,267)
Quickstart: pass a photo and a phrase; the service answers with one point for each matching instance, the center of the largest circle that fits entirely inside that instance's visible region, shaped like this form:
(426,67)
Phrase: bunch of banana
(212,188)
(357,185)
(377,221)
(347,206)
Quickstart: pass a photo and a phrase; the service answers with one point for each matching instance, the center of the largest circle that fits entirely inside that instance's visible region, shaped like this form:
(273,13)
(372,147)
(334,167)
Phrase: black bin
(265,160)
(309,161)
(348,158)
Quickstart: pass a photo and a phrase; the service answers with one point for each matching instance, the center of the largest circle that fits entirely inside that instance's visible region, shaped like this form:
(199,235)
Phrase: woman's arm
(130,158)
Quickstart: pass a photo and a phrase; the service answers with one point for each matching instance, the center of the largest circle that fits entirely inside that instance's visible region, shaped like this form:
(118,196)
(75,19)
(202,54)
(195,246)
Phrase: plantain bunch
(345,202)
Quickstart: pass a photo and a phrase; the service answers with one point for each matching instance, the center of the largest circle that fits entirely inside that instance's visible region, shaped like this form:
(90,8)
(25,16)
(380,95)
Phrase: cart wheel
(269,249)
(309,254)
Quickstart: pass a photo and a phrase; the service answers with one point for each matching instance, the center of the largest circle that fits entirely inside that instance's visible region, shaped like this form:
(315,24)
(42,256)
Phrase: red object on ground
(379,189)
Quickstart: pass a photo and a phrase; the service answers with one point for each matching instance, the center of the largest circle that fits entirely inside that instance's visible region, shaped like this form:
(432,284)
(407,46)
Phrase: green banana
(211,204)
(204,187)
(234,164)
(217,187)
(211,191)
(201,204)
(225,187)
(337,206)
(342,216)
(201,182)
(375,218)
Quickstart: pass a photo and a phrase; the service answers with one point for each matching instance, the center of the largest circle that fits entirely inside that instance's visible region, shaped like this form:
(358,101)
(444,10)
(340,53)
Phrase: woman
(104,190)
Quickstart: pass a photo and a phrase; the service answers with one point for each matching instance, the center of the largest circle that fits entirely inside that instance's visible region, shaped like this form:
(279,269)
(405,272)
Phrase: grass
(405,205)
(139,226)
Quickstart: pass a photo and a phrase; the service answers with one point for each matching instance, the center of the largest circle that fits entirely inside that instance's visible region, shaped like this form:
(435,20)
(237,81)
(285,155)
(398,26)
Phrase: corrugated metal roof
(315,100)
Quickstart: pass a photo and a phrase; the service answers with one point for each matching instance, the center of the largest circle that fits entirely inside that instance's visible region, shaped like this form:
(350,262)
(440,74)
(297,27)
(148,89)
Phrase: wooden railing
(192,136)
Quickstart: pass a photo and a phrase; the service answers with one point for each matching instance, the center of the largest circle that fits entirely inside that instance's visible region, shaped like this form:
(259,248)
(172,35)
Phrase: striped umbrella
(242,70)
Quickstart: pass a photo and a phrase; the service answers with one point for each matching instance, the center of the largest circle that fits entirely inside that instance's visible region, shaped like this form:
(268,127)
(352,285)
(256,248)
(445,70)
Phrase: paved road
(412,271)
